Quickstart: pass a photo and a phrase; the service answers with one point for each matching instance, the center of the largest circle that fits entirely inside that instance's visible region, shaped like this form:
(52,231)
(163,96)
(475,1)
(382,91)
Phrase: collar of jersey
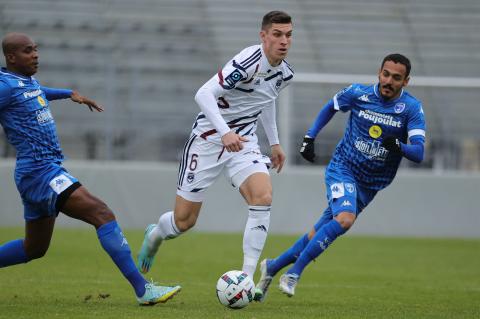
(22,77)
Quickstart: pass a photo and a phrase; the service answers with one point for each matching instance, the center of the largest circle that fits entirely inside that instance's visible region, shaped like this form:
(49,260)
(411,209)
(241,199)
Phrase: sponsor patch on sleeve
(233,78)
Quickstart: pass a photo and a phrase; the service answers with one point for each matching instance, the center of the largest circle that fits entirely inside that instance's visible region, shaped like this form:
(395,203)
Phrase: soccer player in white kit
(223,139)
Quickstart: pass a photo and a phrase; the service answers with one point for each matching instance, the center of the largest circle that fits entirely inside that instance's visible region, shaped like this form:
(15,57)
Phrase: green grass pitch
(358,277)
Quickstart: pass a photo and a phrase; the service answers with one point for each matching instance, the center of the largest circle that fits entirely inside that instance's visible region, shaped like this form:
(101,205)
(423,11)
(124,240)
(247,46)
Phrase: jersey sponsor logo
(350,187)
(399,107)
(372,149)
(60,183)
(44,116)
(380,118)
(233,78)
(337,190)
(375,131)
(41,101)
(31,94)
(364,98)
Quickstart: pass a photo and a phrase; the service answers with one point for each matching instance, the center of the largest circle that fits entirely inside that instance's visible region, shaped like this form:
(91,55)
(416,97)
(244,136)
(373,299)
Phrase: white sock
(254,237)
(164,230)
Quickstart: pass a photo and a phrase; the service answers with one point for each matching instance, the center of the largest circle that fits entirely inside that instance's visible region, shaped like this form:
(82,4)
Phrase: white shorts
(203,161)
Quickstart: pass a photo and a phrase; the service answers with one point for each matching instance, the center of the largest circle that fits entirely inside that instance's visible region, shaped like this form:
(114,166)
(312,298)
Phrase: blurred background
(144,61)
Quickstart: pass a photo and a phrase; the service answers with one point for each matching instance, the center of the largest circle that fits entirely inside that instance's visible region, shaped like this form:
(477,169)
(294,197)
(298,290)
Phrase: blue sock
(322,239)
(288,257)
(291,254)
(12,253)
(116,245)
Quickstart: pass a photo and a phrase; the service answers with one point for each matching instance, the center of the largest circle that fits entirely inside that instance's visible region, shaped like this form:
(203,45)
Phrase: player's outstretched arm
(92,105)
(278,157)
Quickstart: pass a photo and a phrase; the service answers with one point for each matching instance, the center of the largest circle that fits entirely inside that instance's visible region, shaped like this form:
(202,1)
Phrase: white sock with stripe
(164,230)
(254,237)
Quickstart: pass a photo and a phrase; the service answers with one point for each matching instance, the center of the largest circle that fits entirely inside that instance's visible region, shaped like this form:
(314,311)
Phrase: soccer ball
(235,289)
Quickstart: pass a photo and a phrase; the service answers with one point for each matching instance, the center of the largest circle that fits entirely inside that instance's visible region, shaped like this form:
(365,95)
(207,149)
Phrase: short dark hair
(275,17)
(398,58)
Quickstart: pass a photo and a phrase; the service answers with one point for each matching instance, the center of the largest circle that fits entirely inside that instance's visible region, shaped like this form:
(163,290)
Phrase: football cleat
(147,252)
(265,280)
(288,282)
(155,294)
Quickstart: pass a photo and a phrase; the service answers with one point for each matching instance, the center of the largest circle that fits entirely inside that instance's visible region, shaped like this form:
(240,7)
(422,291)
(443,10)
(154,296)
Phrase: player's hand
(278,157)
(92,105)
(308,149)
(391,144)
(233,142)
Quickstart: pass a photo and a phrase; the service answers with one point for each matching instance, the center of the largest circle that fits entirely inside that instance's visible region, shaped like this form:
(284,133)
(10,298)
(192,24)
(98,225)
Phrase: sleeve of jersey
(415,150)
(416,123)
(268,118)
(342,100)
(5,94)
(226,79)
(206,99)
(239,69)
(323,117)
(56,94)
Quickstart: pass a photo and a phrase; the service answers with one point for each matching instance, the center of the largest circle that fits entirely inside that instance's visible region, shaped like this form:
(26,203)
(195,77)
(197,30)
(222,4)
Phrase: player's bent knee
(263,199)
(345,219)
(104,214)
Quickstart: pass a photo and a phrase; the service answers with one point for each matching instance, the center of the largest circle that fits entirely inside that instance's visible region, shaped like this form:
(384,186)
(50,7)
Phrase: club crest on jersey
(399,107)
(233,78)
(278,84)
(350,187)
(190,177)
(375,131)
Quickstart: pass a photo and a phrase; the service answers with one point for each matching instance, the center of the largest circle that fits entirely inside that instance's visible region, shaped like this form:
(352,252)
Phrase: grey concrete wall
(418,203)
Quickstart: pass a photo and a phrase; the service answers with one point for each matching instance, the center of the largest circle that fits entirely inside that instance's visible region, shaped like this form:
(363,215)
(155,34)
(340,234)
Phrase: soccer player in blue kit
(46,188)
(383,117)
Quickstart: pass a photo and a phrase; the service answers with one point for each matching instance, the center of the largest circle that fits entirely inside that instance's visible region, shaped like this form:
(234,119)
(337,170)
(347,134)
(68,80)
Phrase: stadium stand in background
(145,59)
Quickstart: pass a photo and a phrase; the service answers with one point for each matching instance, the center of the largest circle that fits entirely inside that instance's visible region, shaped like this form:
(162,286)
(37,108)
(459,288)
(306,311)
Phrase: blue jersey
(26,118)
(371,120)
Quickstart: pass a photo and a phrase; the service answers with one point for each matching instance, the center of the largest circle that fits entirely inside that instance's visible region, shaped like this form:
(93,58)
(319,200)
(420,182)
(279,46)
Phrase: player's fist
(308,149)
(392,144)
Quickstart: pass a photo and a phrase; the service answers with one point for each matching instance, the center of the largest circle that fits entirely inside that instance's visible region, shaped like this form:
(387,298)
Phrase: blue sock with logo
(291,254)
(322,239)
(116,245)
(12,253)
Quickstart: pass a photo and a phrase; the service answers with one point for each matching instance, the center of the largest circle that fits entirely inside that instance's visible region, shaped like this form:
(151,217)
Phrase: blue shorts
(343,192)
(42,188)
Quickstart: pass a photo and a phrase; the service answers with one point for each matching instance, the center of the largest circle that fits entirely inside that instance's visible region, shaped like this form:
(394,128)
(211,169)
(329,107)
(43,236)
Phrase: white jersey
(245,86)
